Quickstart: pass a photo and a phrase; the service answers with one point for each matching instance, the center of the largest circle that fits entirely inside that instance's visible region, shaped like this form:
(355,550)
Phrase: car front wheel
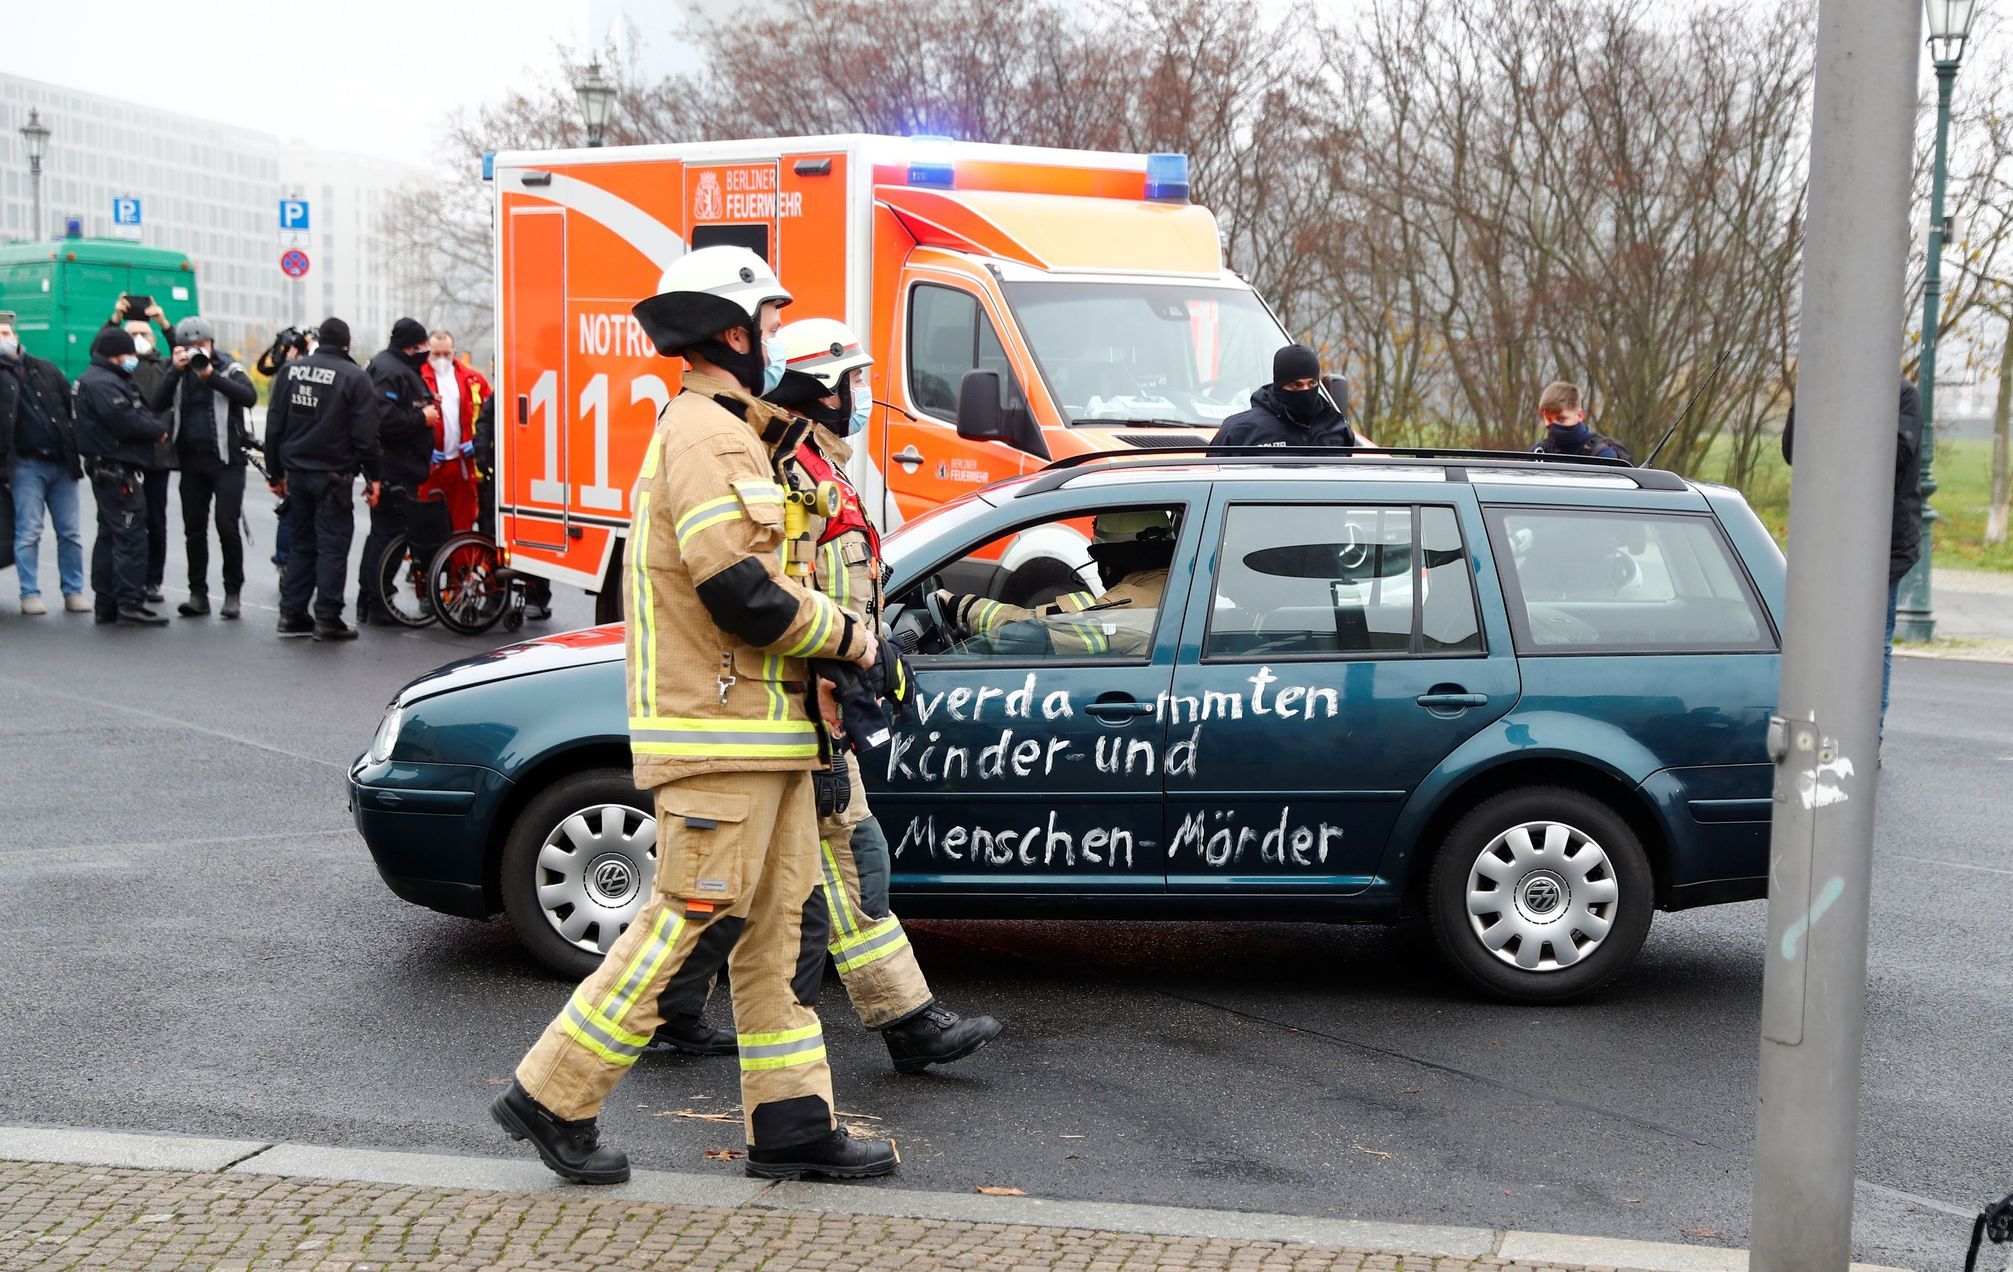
(577,867)
(1540,895)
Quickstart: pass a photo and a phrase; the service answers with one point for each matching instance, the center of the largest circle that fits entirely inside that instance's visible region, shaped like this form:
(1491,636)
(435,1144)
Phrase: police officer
(826,380)
(1133,551)
(722,731)
(406,415)
(117,436)
(1296,409)
(321,431)
(204,396)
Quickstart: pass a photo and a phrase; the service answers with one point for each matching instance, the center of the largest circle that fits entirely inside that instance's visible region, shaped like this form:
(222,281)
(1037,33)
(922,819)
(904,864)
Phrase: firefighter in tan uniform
(723,731)
(1133,551)
(826,380)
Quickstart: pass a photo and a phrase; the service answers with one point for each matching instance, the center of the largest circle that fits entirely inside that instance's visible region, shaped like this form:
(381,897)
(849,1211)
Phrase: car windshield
(1148,353)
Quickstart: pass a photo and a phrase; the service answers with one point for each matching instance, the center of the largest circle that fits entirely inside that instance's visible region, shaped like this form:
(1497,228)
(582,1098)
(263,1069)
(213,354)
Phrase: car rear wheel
(577,867)
(1540,895)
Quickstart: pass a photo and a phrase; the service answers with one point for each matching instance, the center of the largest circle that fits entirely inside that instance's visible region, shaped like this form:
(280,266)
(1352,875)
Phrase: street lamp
(597,100)
(35,136)
(1949,29)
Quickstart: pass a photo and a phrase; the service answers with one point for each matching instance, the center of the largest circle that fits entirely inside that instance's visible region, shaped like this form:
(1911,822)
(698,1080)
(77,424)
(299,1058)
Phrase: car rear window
(1582,580)
(1338,580)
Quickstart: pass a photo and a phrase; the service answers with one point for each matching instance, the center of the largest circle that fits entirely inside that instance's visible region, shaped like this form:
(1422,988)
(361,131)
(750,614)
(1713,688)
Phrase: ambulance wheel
(1040,581)
(1540,895)
(577,867)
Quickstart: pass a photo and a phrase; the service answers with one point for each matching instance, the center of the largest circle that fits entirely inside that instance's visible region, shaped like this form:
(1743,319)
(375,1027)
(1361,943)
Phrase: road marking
(1954,865)
(158,718)
(178,843)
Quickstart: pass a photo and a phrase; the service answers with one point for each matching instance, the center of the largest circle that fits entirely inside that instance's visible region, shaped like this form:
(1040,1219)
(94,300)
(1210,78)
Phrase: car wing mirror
(980,418)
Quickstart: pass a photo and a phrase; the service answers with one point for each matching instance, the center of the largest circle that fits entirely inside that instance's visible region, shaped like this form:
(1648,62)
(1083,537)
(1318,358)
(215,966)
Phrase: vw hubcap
(594,873)
(1542,896)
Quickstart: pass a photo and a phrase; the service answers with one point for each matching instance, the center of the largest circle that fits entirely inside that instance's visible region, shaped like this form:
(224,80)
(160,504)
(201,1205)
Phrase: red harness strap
(852,514)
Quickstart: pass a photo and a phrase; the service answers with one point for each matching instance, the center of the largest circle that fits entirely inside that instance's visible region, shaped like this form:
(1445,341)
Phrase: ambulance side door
(948,329)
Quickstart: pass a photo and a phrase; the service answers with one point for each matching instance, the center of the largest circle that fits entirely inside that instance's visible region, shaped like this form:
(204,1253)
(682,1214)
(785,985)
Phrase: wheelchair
(435,574)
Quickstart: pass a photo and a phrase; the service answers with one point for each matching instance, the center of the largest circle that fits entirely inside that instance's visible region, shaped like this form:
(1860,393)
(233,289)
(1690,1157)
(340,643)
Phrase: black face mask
(1302,406)
(744,367)
(414,360)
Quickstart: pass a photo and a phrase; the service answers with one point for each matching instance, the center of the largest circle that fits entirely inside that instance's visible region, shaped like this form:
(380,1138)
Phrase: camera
(198,361)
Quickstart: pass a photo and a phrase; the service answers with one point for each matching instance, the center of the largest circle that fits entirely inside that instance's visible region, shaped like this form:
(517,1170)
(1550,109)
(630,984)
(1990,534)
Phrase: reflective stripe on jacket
(718,634)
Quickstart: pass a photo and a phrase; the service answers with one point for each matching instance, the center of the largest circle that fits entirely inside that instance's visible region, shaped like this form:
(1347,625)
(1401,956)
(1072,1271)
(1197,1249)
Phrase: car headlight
(386,737)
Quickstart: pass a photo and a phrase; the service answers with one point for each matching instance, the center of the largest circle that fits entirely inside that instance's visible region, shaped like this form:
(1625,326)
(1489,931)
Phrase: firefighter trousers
(874,957)
(748,843)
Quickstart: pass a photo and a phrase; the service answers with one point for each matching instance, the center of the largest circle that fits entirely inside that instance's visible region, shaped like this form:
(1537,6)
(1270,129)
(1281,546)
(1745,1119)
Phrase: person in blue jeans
(38,457)
(1905,540)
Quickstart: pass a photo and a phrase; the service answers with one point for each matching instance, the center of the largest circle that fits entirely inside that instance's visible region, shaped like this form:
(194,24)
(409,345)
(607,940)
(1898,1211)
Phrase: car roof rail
(1060,472)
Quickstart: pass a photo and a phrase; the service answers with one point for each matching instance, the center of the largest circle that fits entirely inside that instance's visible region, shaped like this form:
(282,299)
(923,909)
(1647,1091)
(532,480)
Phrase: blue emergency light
(930,162)
(1167,176)
(489,165)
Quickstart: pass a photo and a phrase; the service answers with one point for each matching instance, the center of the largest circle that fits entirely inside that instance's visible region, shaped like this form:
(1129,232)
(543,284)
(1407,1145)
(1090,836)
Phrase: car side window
(1327,580)
(949,334)
(1089,585)
(1582,580)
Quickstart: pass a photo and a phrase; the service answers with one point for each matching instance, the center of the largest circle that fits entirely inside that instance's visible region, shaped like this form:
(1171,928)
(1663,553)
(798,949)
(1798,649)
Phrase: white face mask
(143,345)
(9,347)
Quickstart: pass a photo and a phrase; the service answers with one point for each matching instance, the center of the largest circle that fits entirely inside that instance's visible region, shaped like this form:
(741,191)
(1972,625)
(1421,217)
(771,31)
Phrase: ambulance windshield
(1147,353)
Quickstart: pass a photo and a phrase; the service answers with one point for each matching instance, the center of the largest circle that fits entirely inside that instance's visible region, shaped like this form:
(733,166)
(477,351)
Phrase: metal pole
(1825,740)
(1914,616)
(35,181)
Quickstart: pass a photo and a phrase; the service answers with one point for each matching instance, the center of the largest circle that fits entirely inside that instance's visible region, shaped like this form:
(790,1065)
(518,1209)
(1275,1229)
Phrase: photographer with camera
(290,345)
(140,318)
(204,397)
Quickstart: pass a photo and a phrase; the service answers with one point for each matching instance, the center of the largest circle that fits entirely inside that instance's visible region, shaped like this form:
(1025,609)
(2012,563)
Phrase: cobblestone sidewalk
(61,1217)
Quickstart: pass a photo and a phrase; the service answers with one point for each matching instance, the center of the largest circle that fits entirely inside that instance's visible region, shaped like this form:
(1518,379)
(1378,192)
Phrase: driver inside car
(1133,550)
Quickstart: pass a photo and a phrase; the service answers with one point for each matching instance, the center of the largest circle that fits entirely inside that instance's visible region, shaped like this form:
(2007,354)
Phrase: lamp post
(1949,28)
(597,100)
(35,136)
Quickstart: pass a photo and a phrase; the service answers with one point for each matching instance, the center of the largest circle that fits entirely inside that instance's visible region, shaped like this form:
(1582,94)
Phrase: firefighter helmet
(706,292)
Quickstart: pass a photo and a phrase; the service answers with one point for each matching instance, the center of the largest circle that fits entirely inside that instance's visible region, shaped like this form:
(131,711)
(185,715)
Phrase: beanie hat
(407,332)
(334,332)
(113,342)
(1295,362)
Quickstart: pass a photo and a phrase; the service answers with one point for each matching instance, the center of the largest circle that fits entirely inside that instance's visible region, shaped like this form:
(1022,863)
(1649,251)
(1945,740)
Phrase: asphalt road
(196,941)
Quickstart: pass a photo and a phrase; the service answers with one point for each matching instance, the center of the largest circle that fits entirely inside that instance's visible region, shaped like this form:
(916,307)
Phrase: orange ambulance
(1021,305)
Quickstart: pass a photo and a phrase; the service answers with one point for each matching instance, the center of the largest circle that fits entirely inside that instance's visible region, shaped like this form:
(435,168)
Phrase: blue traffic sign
(293,214)
(294,264)
(125,211)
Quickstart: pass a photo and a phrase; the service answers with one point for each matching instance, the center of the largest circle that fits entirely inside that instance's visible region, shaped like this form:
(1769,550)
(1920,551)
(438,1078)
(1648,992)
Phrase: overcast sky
(360,75)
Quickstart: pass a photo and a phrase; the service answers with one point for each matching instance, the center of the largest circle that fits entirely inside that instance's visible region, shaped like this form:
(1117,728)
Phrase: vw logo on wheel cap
(612,879)
(1542,894)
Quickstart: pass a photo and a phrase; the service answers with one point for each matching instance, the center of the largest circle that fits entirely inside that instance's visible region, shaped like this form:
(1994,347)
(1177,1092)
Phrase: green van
(62,291)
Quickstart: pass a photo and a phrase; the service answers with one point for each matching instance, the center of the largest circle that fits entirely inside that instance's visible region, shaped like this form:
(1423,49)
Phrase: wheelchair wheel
(466,592)
(403,584)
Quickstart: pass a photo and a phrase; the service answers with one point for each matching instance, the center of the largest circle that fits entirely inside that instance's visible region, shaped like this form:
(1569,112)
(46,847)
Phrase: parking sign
(293,214)
(125,211)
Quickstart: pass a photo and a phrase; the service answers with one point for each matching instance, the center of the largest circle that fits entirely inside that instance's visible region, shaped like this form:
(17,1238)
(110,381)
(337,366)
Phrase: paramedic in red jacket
(453,471)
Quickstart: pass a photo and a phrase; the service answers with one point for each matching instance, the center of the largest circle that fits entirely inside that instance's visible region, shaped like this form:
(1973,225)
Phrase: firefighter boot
(572,1149)
(937,1035)
(835,1155)
(692,1036)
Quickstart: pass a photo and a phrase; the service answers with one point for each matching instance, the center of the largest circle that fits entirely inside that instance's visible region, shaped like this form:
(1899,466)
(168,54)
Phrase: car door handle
(1118,709)
(1443,701)
(908,455)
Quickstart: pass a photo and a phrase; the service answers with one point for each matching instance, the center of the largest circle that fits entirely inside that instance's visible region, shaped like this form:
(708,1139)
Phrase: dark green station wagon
(1523,698)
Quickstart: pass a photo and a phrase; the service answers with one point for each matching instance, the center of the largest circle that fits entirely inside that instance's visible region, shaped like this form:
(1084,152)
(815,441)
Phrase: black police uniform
(117,435)
(207,438)
(1273,420)
(407,442)
(321,431)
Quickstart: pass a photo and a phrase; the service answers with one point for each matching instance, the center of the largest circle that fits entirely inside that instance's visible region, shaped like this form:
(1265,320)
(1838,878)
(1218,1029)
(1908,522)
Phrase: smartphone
(137,306)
